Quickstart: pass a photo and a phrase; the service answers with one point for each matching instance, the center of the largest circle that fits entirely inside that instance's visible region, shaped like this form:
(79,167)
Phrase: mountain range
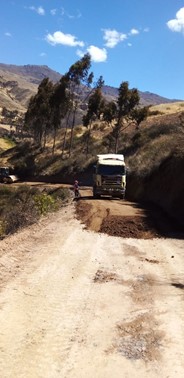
(19,83)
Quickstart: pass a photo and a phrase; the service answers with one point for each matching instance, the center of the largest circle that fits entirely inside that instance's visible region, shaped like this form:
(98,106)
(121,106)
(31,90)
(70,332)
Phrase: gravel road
(75,303)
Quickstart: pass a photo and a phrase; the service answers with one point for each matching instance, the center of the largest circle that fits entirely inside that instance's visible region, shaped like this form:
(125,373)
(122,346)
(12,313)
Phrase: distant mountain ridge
(19,83)
(33,73)
(146,98)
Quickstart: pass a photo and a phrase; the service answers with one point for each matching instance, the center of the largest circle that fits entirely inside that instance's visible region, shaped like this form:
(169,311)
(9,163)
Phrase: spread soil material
(128,227)
(103,220)
(123,218)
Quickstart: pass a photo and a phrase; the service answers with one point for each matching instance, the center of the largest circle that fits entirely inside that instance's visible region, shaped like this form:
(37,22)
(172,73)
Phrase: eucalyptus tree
(77,76)
(109,112)
(37,117)
(139,115)
(109,117)
(94,110)
(59,105)
(128,100)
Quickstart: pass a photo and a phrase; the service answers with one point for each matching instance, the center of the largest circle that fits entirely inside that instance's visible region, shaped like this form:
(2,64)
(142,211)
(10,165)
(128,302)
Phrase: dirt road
(77,303)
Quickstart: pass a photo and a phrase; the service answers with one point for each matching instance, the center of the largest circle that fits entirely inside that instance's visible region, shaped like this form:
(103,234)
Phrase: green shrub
(44,203)
(61,194)
(20,207)
(154,112)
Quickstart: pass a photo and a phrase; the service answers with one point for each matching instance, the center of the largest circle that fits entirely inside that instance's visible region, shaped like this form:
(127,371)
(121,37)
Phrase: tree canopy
(54,103)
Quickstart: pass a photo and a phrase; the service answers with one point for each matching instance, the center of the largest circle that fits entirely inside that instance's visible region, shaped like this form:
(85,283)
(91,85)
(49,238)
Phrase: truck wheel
(95,195)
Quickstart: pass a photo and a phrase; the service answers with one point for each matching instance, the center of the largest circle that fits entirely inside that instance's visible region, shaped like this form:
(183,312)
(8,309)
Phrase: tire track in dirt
(86,304)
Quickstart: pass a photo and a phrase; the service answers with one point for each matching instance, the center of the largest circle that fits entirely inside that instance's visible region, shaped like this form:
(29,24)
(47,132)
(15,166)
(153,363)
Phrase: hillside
(154,154)
(19,83)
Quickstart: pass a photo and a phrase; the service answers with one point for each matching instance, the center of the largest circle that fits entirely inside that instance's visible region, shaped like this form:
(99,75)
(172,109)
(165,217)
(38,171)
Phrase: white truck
(109,176)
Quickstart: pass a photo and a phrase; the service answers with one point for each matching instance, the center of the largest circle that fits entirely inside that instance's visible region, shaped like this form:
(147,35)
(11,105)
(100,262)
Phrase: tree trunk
(88,139)
(54,142)
(65,134)
(45,138)
(116,144)
(72,129)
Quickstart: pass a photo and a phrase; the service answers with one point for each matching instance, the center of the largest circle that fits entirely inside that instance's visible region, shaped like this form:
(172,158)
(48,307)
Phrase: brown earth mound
(128,227)
(113,218)
(123,218)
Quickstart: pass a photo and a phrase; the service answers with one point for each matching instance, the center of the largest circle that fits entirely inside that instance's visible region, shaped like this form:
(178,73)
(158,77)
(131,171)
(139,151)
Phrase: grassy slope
(169,108)
(154,155)
(157,163)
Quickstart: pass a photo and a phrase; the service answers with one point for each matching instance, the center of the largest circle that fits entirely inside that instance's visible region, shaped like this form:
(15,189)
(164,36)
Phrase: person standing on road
(76,189)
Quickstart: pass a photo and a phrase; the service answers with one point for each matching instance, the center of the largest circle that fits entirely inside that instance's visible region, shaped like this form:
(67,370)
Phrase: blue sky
(139,41)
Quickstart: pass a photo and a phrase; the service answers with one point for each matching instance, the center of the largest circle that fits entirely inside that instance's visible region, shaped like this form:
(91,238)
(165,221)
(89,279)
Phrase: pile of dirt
(125,218)
(128,227)
(97,217)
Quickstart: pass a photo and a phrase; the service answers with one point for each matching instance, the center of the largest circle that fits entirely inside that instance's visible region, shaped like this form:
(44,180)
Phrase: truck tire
(95,195)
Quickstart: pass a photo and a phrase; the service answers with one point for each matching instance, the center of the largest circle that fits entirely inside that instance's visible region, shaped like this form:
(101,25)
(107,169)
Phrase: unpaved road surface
(76,303)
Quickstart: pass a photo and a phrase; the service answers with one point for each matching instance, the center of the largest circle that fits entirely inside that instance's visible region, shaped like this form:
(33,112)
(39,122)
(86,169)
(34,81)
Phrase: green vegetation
(20,207)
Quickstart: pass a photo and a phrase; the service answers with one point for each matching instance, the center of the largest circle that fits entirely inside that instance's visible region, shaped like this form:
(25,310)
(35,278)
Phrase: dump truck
(109,177)
(6,177)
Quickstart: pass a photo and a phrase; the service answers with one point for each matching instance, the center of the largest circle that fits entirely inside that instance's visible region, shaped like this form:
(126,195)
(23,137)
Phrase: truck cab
(109,176)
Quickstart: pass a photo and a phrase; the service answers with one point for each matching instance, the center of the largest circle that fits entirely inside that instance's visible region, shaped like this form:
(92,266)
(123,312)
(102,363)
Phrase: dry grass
(6,144)
(170,108)
(22,206)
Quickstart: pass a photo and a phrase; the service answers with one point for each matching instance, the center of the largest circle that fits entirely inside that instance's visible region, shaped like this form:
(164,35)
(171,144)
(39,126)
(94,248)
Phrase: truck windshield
(111,170)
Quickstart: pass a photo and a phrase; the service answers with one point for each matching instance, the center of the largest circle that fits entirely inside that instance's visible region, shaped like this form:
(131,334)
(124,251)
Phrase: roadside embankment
(164,187)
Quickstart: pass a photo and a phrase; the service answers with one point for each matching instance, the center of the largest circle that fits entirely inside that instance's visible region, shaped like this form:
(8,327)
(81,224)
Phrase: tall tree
(59,104)
(38,112)
(128,100)
(95,109)
(139,115)
(109,112)
(77,76)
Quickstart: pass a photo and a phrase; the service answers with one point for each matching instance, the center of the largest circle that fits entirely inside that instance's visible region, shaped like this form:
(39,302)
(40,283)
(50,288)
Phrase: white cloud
(7,34)
(40,10)
(70,16)
(134,31)
(62,11)
(53,12)
(113,37)
(97,54)
(59,38)
(177,24)
(129,44)
(146,30)
(43,54)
